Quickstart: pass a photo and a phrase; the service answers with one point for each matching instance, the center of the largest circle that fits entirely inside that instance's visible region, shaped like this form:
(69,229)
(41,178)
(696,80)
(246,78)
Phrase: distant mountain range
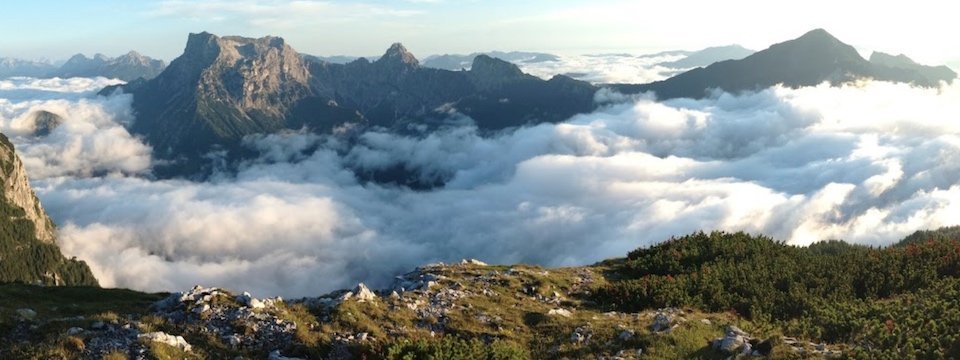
(224,88)
(456,62)
(809,60)
(127,67)
(707,56)
(18,67)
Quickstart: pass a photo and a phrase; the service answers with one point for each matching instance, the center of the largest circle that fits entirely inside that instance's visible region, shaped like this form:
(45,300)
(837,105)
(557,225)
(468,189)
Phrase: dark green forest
(900,301)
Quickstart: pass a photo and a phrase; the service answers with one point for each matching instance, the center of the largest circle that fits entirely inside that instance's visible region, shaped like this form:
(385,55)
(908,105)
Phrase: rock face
(28,251)
(809,60)
(44,122)
(17,192)
(127,67)
(223,88)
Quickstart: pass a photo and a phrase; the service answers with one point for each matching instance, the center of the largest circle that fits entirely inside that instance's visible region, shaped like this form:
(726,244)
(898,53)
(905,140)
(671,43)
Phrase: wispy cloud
(276,13)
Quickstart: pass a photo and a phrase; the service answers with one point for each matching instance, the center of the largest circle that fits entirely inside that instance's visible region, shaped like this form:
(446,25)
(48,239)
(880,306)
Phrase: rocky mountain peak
(818,35)
(77,59)
(491,66)
(817,45)
(489,71)
(398,54)
(202,46)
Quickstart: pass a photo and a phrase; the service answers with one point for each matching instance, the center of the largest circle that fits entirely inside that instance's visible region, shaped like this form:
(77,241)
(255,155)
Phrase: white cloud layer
(604,68)
(867,163)
(89,141)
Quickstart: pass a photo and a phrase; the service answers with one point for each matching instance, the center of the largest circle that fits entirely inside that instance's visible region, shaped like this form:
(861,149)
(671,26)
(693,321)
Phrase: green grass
(61,302)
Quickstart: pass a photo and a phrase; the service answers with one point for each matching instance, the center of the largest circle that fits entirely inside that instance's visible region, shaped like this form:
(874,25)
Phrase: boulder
(362,293)
(26,314)
(626,335)
(661,322)
(472,262)
(164,338)
(734,341)
(581,335)
(249,301)
(560,312)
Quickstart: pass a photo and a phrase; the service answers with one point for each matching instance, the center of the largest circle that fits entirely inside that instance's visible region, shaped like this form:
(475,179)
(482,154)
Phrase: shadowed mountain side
(222,89)
(809,60)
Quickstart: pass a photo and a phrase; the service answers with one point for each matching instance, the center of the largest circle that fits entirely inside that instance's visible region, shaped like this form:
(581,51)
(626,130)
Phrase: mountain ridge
(126,67)
(729,295)
(809,60)
(213,94)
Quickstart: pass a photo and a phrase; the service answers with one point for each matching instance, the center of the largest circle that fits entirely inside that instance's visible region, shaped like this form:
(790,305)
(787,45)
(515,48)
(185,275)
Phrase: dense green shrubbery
(23,258)
(830,290)
(452,348)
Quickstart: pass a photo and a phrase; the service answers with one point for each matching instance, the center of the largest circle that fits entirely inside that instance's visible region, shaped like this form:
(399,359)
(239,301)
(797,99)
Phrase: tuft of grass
(74,344)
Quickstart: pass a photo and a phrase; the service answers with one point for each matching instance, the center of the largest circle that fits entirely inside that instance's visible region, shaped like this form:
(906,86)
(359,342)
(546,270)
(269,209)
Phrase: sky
(58,29)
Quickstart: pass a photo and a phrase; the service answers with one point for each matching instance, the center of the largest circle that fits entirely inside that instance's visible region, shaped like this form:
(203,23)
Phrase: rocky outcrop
(17,191)
(164,338)
(28,249)
(44,122)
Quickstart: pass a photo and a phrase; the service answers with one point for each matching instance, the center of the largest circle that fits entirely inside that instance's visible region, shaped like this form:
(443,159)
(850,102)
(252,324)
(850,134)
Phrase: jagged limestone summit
(224,88)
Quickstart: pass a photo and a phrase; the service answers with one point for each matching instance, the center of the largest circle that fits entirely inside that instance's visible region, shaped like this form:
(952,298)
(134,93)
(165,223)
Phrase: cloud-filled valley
(867,163)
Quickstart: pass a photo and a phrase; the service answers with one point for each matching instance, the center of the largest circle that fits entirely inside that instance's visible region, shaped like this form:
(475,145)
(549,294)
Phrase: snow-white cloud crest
(868,164)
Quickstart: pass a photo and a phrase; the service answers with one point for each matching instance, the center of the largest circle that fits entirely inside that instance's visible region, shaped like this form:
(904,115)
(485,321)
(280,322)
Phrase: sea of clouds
(605,68)
(867,163)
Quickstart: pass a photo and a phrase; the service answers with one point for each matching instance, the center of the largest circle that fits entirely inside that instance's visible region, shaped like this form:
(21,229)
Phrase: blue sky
(58,29)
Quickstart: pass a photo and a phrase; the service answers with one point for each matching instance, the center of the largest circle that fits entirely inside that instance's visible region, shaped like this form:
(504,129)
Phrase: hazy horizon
(429,27)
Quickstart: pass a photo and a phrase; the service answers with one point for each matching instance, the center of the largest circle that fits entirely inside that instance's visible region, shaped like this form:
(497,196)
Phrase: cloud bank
(91,139)
(605,68)
(867,163)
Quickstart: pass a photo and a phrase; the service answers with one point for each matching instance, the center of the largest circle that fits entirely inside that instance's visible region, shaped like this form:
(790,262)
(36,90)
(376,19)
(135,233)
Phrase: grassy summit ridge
(688,297)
